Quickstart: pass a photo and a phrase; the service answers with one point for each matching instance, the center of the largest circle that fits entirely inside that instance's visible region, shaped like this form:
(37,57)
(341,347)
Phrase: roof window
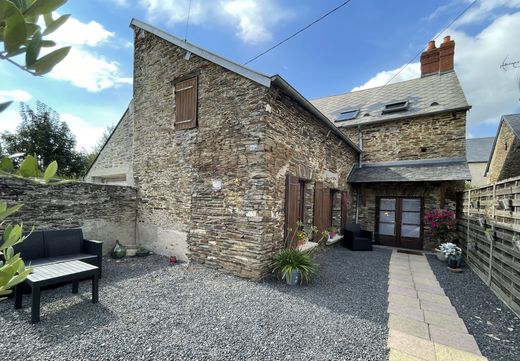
(395,107)
(347,115)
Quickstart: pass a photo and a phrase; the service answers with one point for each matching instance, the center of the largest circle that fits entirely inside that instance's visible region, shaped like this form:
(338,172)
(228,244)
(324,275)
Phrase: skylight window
(395,107)
(347,115)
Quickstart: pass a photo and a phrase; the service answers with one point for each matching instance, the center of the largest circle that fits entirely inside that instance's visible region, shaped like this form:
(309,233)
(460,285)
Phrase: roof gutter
(466,108)
(279,81)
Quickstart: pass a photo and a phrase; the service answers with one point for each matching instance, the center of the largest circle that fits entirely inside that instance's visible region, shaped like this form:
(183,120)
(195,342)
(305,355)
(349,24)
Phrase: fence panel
(489,229)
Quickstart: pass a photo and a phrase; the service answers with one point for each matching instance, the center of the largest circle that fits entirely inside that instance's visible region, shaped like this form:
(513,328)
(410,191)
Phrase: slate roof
(421,93)
(478,150)
(412,171)
(513,120)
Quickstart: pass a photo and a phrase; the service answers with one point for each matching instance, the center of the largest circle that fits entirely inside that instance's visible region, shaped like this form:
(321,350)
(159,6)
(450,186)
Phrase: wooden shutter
(292,211)
(186,104)
(322,207)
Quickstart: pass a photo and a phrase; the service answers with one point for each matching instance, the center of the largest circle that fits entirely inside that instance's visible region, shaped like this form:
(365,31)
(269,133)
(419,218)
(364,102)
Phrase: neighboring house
(412,135)
(504,161)
(224,159)
(478,151)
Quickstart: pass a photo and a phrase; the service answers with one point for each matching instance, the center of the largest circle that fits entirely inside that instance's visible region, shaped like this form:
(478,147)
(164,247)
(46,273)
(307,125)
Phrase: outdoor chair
(357,239)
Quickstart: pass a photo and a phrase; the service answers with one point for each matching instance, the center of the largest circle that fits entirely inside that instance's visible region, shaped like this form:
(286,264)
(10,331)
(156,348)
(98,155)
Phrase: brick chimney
(430,60)
(438,60)
(446,54)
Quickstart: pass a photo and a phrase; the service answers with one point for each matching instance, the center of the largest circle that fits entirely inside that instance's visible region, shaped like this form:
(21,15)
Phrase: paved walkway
(423,323)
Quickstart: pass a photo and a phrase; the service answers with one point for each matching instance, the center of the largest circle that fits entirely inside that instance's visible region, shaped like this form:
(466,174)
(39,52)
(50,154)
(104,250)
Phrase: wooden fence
(489,228)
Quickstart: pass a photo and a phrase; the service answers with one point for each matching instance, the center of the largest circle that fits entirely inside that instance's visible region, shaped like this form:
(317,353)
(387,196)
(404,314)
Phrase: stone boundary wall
(104,212)
(493,255)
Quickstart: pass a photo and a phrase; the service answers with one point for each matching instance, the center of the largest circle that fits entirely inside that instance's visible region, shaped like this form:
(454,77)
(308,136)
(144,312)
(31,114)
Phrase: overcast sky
(361,45)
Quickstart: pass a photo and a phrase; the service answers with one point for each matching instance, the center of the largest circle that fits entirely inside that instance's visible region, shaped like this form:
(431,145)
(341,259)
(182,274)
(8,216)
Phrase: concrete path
(422,321)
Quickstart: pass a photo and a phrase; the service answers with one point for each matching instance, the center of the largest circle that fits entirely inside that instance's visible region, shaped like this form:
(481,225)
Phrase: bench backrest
(32,248)
(354,228)
(63,242)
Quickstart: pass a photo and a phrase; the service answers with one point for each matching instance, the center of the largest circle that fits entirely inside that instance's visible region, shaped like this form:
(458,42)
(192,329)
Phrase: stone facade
(114,162)
(104,212)
(436,195)
(505,160)
(427,137)
(478,173)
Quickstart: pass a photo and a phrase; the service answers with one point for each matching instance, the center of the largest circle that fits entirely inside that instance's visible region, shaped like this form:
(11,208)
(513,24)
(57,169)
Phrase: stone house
(225,160)
(478,151)
(412,135)
(504,160)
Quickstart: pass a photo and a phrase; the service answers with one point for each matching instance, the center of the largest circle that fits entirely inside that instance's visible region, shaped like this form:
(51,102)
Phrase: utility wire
(298,32)
(187,22)
(436,36)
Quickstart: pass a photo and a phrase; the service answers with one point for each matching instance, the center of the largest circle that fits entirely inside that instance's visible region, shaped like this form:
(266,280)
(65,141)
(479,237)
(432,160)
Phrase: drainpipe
(360,145)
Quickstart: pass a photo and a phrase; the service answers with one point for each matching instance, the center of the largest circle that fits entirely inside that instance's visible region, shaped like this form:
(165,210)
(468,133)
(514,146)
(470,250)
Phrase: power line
(436,36)
(187,22)
(298,32)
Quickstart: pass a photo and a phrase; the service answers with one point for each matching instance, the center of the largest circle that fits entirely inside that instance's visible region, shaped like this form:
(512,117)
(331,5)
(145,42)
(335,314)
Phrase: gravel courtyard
(494,326)
(151,310)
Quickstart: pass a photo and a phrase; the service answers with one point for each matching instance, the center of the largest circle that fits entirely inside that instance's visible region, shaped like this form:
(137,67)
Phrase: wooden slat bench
(53,274)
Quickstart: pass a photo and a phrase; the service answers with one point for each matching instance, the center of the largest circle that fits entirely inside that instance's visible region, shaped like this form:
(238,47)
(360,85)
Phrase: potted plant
(442,226)
(516,242)
(504,204)
(481,222)
(142,252)
(454,255)
(333,231)
(294,266)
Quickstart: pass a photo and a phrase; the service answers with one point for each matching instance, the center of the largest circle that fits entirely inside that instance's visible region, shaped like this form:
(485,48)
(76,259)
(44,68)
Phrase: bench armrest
(91,246)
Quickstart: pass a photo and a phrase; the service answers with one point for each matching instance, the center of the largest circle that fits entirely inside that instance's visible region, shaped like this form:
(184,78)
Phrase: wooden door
(399,222)
(322,207)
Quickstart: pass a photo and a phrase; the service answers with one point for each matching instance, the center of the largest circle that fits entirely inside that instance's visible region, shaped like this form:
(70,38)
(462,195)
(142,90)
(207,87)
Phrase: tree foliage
(43,134)
(22,35)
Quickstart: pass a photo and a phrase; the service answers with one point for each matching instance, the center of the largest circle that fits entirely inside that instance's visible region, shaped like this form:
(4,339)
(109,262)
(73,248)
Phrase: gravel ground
(150,310)
(494,326)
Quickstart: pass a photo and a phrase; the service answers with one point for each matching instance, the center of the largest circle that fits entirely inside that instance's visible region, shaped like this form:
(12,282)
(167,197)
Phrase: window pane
(387,216)
(386,229)
(387,204)
(411,231)
(412,217)
(412,205)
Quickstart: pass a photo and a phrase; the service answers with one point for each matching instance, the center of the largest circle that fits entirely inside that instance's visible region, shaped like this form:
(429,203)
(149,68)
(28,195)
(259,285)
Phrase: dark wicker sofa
(45,247)
(356,238)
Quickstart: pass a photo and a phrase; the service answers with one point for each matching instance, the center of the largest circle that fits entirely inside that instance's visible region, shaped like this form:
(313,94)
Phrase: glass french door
(399,222)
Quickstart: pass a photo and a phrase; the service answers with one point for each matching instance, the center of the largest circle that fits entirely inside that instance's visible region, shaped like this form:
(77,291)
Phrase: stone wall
(114,163)
(429,137)
(436,195)
(297,143)
(199,189)
(478,171)
(505,162)
(104,212)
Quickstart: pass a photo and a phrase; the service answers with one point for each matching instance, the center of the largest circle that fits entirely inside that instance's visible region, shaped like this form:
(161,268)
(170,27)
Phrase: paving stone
(433,283)
(409,326)
(458,340)
(403,300)
(444,321)
(402,291)
(402,277)
(433,298)
(396,355)
(401,283)
(408,311)
(439,308)
(446,353)
(430,289)
(399,269)
(411,345)
(400,272)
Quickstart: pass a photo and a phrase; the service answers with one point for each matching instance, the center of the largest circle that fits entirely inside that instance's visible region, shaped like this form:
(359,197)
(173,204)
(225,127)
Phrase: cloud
(485,10)
(10,119)
(490,90)
(86,135)
(83,67)
(251,19)
(74,32)
(14,95)
(89,71)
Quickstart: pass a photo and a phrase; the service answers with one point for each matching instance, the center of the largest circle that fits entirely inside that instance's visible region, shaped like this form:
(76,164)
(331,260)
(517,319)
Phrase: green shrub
(289,260)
